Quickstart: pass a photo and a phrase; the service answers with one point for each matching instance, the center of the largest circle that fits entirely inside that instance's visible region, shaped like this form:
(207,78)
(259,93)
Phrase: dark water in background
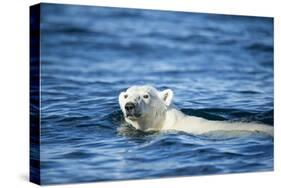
(220,67)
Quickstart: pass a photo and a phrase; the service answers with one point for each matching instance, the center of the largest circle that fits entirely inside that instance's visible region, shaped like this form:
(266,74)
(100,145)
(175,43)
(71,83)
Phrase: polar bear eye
(125,96)
(145,96)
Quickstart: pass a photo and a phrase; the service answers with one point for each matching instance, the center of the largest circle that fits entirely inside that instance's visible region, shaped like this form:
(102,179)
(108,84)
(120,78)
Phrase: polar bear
(147,109)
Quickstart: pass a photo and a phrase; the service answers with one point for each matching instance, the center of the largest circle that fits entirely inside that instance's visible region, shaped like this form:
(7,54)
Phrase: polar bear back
(197,125)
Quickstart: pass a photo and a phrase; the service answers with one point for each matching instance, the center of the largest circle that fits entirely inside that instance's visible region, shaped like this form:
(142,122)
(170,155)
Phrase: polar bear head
(144,107)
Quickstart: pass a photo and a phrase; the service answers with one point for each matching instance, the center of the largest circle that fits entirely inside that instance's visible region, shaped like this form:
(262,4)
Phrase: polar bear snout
(131,110)
(129,106)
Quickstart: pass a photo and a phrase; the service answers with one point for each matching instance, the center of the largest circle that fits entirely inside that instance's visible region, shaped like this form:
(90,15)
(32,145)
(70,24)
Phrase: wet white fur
(158,113)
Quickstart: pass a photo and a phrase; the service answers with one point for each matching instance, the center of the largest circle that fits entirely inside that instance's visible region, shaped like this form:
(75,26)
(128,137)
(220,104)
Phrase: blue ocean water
(220,67)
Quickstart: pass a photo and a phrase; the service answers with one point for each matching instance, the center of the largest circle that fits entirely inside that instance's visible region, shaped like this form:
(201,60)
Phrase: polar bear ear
(167,96)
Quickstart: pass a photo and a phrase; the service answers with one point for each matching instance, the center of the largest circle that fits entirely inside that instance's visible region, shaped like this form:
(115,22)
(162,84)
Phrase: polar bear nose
(129,106)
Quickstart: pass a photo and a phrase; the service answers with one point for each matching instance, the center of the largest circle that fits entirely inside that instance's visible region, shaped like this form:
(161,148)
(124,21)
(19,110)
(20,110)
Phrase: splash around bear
(146,109)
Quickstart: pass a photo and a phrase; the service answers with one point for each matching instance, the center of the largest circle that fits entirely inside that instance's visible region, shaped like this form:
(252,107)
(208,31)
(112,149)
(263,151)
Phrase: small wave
(129,131)
(79,154)
(74,119)
(260,47)
(74,30)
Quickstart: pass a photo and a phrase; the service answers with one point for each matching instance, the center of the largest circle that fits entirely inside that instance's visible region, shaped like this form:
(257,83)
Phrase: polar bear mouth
(133,116)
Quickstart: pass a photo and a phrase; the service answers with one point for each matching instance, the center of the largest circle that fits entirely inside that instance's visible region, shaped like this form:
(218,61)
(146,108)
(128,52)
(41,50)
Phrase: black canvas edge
(34,93)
